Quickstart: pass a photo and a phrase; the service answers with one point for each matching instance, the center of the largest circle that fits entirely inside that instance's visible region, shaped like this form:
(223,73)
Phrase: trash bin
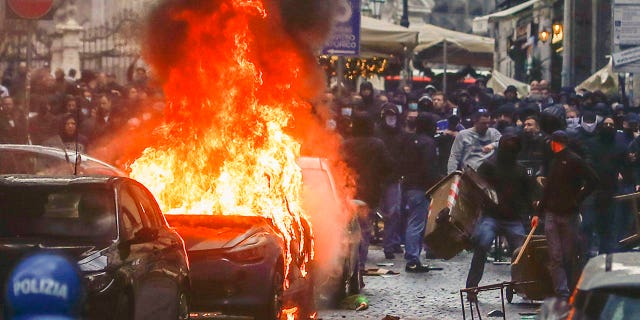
(456,202)
(532,271)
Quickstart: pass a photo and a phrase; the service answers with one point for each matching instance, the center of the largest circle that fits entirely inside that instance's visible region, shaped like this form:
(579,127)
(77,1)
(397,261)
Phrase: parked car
(238,266)
(133,264)
(34,159)
(609,288)
(337,271)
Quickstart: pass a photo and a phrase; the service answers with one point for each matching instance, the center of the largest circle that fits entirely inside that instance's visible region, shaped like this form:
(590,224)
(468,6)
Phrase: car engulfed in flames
(237,267)
(223,163)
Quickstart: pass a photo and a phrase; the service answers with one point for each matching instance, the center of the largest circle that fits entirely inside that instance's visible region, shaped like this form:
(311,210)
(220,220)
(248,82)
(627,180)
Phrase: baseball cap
(45,286)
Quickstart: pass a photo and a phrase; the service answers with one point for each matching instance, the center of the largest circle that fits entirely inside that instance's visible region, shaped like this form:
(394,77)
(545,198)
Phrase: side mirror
(141,236)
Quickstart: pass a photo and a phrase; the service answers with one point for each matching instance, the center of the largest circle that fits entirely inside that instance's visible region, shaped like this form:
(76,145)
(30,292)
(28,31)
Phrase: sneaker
(389,255)
(416,268)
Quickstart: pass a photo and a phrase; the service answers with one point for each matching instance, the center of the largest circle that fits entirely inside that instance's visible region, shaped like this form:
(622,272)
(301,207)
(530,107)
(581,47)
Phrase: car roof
(624,271)
(32,180)
(62,154)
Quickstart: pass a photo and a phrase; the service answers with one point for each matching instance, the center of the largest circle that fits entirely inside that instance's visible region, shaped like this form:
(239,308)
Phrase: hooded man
(390,131)
(515,190)
(608,157)
(370,105)
(368,158)
(418,168)
(569,180)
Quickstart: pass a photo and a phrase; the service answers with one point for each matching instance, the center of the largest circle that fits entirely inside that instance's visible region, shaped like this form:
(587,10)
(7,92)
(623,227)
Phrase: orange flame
(224,148)
(290,313)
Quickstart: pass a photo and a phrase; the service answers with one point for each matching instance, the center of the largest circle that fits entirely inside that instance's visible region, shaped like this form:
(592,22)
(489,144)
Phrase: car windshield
(57,212)
(612,305)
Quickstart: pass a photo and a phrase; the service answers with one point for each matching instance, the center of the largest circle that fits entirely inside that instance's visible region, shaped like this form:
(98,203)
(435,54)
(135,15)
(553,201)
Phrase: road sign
(626,56)
(345,36)
(30,9)
(626,36)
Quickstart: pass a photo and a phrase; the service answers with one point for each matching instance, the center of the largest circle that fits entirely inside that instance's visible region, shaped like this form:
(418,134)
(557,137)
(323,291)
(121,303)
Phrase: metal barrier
(633,240)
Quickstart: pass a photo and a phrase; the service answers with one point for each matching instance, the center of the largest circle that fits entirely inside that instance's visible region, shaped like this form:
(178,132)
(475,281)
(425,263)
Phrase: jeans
(598,213)
(391,205)
(483,235)
(562,238)
(416,205)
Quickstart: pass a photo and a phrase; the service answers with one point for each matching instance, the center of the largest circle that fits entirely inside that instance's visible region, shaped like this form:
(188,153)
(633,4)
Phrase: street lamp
(377,8)
(543,35)
(558,33)
(404,21)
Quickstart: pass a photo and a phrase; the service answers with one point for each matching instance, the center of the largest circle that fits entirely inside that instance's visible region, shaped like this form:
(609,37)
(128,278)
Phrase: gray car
(609,288)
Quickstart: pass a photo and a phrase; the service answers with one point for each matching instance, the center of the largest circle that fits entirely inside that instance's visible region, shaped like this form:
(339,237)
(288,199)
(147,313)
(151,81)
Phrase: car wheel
(273,311)
(183,306)
(510,292)
(124,308)
(355,282)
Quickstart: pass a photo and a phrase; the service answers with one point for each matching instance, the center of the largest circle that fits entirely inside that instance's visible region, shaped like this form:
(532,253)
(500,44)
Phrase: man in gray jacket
(474,145)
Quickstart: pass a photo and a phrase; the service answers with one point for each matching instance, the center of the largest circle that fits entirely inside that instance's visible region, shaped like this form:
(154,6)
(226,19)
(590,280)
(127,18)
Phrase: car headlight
(99,281)
(252,249)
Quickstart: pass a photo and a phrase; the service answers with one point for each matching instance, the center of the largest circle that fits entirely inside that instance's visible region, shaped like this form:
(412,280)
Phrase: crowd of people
(554,157)
(80,112)
(557,155)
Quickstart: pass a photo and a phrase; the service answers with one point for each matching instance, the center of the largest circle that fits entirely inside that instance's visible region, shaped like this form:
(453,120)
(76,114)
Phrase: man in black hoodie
(390,131)
(569,181)
(516,191)
(370,161)
(418,167)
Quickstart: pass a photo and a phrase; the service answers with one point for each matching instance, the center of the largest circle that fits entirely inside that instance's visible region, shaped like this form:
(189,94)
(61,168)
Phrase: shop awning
(481,24)
(381,38)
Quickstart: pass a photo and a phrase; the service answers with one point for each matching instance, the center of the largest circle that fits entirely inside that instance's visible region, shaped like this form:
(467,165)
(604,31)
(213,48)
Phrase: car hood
(211,232)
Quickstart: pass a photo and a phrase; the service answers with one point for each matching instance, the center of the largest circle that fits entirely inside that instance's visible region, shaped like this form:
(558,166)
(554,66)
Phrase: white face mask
(589,127)
(391,120)
(573,122)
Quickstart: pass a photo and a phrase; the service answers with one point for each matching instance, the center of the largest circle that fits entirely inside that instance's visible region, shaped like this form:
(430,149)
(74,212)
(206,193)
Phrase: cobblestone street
(432,295)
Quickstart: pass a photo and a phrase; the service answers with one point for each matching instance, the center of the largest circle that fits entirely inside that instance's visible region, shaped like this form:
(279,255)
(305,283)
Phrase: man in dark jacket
(390,131)
(568,182)
(515,190)
(419,171)
(369,159)
(608,154)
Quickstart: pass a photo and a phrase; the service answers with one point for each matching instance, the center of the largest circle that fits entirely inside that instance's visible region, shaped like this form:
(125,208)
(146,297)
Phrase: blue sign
(345,36)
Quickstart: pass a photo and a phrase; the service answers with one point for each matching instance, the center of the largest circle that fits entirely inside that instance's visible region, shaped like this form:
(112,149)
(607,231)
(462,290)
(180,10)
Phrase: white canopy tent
(381,38)
(604,80)
(452,47)
(499,82)
(443,46)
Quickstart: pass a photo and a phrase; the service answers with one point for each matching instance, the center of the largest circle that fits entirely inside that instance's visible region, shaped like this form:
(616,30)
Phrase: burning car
(337,272)
(133,264)
(239,266)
